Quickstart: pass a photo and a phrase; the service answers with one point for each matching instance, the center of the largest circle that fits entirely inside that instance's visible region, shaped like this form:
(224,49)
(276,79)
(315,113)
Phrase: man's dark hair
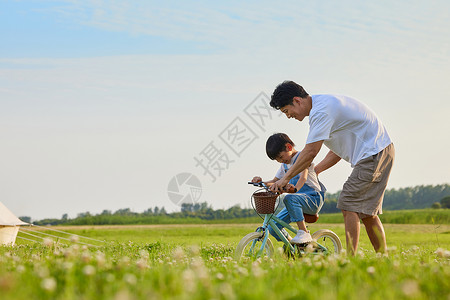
(276,143)
(285,92)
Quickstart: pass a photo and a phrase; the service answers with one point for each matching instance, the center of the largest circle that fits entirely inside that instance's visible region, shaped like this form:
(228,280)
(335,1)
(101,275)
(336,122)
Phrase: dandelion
(123,295)
(124,261)
(410,288)
(130,279)
(371,270)
(89,270)
(74,238)
(194,250)
(66,253)
(242,271)
(178,254)
(74,249)
(257,271)
(280,251)
(307,263)
(35,257)
(197,263)
(100,257)
(332,260)
(226,290)
(415,248)
(344,261)
(67,265)
(48,242)
(143,254)
(20,268)
(48,284)
(41,271)
(392,249)
(200,269)
(85,257)
(442,253)
(141,264)
(396,264)
(439,252)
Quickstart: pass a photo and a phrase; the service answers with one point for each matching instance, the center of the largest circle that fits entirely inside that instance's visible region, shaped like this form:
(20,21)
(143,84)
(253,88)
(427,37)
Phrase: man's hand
(278,185)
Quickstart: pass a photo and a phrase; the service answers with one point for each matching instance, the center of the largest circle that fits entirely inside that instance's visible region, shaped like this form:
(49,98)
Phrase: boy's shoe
(302,237)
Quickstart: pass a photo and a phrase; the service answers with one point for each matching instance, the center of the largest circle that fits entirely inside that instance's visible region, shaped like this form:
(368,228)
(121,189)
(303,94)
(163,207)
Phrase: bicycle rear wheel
(250,246)
(329,240)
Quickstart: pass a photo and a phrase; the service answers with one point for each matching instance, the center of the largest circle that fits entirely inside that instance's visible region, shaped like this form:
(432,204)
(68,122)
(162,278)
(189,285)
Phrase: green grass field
(398,235)
(195,262)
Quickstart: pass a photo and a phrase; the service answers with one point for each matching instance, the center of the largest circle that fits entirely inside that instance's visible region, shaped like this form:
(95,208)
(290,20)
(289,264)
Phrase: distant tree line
(152,216)
(424,196)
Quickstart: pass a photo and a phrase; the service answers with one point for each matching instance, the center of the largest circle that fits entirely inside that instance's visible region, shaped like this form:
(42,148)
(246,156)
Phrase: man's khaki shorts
(363,191)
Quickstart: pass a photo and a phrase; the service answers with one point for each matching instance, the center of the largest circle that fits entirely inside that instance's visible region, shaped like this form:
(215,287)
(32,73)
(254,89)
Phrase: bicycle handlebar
(291,189)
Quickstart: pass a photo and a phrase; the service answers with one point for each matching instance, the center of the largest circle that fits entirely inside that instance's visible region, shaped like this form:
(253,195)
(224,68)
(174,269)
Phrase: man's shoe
(302,237)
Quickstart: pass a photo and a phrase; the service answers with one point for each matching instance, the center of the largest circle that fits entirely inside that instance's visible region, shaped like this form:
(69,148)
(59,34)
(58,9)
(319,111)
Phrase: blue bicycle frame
(269,220)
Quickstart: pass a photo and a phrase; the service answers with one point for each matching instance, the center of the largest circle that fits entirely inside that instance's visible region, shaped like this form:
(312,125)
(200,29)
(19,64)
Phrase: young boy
(310,192)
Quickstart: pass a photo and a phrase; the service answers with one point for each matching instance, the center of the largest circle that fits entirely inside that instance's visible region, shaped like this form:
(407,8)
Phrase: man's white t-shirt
(311,180)
(348,127)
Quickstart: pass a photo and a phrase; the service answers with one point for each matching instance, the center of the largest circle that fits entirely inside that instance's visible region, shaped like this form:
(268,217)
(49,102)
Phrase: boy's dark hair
(285,92)
(276,143)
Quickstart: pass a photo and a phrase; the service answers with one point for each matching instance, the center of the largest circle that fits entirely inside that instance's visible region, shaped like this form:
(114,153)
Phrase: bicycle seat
(311,218)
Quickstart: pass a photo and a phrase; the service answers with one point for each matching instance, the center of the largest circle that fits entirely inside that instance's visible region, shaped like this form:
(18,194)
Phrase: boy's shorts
(363,191)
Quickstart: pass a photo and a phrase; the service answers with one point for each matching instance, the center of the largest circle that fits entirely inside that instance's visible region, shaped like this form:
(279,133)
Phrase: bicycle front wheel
(328,239)
(250,246)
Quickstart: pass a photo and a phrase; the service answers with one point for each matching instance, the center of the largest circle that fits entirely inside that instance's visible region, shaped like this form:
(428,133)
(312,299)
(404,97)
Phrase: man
(354,133)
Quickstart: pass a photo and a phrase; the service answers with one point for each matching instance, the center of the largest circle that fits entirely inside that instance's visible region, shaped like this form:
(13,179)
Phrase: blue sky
(102,103)
(61,29)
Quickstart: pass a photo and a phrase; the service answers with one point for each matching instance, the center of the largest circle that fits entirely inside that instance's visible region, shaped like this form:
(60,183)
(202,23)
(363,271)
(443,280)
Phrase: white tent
(9,226)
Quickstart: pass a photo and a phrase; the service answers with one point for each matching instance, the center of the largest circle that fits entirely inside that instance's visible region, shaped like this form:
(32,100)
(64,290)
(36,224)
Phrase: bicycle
(256,244)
